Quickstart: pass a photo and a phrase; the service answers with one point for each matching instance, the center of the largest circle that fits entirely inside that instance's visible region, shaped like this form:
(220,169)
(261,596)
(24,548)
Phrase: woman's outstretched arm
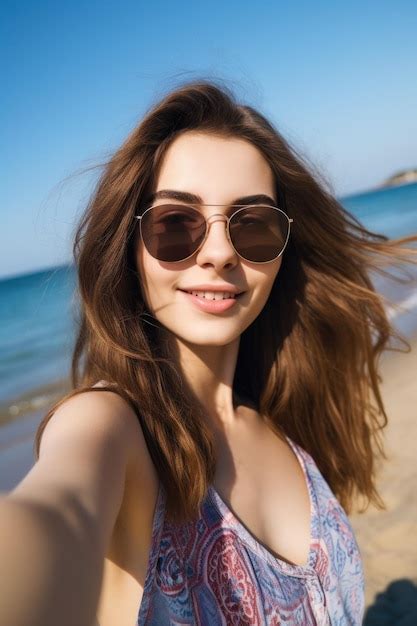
(56,525)
(50,574)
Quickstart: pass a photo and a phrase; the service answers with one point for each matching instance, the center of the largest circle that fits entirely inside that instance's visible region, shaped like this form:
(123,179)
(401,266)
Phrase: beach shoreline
(386,537)
(33,400)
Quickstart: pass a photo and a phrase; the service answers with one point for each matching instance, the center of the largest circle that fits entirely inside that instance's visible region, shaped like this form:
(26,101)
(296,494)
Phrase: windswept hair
(309,362)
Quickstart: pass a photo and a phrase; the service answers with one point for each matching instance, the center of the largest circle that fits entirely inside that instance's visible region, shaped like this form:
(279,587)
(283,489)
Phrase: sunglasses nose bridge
(217,217)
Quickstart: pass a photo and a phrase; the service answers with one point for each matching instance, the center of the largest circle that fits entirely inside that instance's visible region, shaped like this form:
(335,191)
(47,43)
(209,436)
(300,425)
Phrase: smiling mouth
(210,298)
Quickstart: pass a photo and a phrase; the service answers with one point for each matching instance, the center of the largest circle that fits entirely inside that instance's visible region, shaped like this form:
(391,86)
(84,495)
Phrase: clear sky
(338,79)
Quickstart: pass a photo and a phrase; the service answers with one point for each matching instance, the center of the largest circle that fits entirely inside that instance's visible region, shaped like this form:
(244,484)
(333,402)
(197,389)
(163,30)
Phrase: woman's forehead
(213,172)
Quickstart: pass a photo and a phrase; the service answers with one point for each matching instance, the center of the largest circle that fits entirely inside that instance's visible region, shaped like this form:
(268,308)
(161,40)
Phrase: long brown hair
(309,362)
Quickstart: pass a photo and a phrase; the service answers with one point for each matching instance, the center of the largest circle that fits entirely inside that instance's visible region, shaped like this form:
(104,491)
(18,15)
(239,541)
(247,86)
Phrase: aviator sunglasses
(175,232)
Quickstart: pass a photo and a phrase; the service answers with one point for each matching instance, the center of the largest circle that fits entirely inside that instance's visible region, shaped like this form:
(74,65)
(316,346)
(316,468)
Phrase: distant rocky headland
(401,178)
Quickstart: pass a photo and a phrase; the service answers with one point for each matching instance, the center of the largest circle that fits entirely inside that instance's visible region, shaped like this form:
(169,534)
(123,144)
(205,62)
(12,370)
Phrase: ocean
(37,310)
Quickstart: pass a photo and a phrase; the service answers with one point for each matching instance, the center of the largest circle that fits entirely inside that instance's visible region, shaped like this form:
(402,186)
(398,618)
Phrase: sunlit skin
(219,170)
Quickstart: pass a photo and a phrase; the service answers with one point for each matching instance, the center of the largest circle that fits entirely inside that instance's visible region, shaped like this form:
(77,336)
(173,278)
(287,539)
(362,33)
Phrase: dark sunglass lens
(172,232)
(259,233)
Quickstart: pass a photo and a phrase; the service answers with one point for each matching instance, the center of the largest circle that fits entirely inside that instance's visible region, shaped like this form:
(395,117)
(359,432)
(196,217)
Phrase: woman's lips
(211,306)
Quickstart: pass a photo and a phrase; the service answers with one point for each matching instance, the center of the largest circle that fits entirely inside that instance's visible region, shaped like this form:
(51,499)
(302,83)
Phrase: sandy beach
(387,539)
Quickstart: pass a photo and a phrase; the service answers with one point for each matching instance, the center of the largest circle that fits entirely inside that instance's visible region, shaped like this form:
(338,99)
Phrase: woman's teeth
(213,295)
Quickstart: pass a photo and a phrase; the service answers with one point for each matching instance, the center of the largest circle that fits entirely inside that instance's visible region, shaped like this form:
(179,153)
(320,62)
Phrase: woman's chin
(205,339)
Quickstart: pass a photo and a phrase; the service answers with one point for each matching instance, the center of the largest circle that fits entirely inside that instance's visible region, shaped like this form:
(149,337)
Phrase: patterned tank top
(213,572)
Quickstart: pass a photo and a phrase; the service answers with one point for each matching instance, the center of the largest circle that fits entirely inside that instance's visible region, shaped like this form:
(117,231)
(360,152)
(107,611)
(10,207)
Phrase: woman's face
(219,170)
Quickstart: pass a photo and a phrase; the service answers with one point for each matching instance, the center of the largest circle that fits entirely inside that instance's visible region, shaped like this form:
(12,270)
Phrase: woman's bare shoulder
(140,462)
(91,447)
(133,529)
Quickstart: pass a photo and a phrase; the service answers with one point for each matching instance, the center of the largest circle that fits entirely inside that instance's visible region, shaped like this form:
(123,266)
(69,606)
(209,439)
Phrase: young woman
(226,411)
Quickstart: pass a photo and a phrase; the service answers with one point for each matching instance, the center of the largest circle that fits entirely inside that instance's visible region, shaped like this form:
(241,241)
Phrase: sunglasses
(175,232)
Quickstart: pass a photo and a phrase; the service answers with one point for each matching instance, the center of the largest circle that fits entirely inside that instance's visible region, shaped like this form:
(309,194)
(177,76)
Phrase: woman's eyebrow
(185,196)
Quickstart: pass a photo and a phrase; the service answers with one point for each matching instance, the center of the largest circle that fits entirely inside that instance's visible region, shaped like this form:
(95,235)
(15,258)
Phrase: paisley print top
(213,572)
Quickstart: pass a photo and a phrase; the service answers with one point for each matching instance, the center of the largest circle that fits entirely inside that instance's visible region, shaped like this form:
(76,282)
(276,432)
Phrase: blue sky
(338,80)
